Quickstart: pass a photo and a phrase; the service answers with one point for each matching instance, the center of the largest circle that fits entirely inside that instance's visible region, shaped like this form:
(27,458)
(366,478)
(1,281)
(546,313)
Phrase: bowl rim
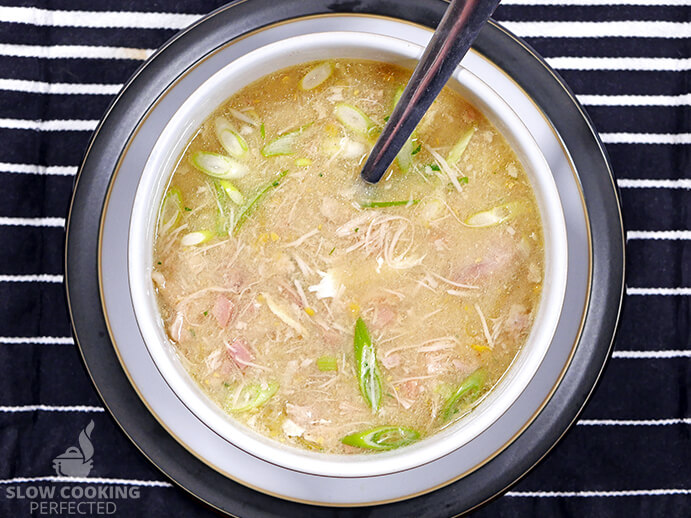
(357,465)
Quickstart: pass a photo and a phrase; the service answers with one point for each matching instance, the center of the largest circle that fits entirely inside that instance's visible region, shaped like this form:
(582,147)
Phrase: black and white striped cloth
(628,62)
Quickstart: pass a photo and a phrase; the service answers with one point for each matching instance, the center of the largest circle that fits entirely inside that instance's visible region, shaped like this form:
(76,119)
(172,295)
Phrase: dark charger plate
(529,71)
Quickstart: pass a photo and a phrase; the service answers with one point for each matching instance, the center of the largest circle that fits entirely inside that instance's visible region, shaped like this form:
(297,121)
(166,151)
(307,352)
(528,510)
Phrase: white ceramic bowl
(154,180)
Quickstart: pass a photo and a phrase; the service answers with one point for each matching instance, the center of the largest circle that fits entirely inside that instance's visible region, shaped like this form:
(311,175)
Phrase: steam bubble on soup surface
(329,314)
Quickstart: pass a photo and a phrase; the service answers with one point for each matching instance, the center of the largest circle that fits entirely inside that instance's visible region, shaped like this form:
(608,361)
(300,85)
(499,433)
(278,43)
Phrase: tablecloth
(629,454)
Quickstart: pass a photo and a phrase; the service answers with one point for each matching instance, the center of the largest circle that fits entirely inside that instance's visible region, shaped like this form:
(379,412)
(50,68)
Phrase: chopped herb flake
(416,150)
(434,167)
(206,313)
(462,179)
(332,250)
(188,209)
(262,131)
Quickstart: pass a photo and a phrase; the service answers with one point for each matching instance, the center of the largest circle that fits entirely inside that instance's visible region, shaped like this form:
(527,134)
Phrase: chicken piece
(223,310)
(239,352)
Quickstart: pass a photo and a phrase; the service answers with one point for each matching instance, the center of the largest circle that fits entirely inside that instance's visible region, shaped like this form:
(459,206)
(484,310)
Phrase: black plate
(81,271)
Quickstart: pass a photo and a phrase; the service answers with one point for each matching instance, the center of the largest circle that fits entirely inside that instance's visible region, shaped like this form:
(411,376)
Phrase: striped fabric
(627,60)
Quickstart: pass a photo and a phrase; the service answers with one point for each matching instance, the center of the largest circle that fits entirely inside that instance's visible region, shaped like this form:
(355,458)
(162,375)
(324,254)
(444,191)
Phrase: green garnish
(233,143)
(459,148)
(171,211)
(187,209)
(282,145)
(317,75)
(332,250)
(196,238)
(386,119)
(382,438)
(206,313)
(217,165)
(355,119)
(462,179)
(160,262)
(495,215)
(247,209)
(434,167)
(471,387)
(416,150)
(378,204)
(251,396)
(262,131)
(232,191)
(366,364)
(327,363)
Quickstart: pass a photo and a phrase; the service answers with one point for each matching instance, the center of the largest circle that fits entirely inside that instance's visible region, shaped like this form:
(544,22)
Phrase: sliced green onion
(282,145)
(217,165)
(251,396)
(366,365)
(382,438)
(327,363)
(495,215)
(317,76)
(471,387)
(232,192)
(379,204)
(234,144)
(459,148)
(355,119)
(435,167)
(405,155)
(262,131)
(196,238)
(247,209)
(303,162)
(171,211)
(397,96)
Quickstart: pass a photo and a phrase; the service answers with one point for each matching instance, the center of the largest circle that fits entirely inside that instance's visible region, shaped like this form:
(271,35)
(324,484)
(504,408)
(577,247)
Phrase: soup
(330,314)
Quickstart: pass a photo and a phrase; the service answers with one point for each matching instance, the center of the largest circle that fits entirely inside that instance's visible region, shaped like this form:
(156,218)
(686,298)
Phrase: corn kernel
(310,311)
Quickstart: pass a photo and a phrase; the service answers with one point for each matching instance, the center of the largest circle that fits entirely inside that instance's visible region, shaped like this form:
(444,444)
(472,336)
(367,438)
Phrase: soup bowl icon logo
(77,462)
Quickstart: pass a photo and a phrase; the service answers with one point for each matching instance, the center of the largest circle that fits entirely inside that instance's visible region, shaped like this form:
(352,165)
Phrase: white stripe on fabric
(49,125)
(633,422)
(40,340)
(88,480)
(50,170)
(659,234)
(646,138)
(632,100)
(43,277)
(41,87)
(658,291)
(97,19)
(552,3)
(651,355)
(630,183)
(49,408)
(621,63)
(626,29)
(73,52)
(597,494)
(33,222)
